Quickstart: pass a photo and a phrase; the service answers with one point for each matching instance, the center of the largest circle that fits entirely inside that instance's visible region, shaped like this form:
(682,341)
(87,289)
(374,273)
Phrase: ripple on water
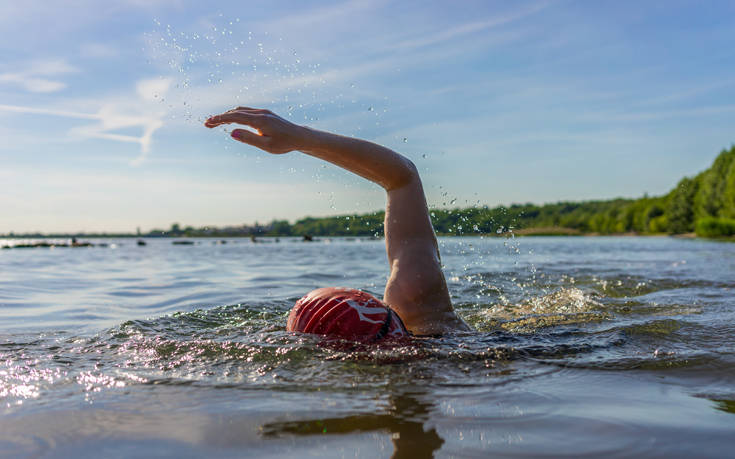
(247,346)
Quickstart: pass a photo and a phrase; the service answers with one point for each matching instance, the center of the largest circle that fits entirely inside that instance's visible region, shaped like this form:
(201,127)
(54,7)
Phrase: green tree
(680,209)
(728,199)
(280,228)
(709,200)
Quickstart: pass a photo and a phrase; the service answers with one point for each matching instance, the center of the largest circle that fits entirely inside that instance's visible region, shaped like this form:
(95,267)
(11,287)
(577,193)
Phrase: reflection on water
(404,420)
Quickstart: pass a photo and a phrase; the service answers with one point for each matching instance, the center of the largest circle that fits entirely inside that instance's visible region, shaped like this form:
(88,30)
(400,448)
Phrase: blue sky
(496,102)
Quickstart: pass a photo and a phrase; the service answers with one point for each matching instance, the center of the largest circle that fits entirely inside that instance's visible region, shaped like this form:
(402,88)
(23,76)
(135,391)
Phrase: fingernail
(235,134)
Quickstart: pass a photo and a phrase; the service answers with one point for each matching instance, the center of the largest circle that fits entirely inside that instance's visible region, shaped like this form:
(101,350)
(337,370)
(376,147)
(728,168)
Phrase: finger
(248,109)
(239,117)
(231,111)
(252,110)
(249,137)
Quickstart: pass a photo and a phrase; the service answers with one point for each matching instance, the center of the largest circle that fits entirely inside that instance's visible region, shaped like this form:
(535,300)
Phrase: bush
(658,224)
(715,227)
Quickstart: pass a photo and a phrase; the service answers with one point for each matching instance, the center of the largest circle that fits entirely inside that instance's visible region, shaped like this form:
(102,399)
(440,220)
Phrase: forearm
(366,159)
(277,135)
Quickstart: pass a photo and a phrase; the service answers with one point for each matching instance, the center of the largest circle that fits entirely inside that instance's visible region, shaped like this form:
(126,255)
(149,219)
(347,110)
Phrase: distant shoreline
(80,240)
(531,232)
(545,231)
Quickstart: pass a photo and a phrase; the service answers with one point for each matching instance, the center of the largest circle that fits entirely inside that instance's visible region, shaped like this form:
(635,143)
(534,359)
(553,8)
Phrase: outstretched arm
(416,289)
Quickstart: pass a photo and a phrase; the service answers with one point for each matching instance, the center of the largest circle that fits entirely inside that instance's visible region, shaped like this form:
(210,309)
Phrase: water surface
(584,346)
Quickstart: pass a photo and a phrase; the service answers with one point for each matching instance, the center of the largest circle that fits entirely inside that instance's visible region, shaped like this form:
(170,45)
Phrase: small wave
(562,307)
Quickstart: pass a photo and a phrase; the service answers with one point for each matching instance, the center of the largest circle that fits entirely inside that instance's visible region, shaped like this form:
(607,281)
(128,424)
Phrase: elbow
(404,175)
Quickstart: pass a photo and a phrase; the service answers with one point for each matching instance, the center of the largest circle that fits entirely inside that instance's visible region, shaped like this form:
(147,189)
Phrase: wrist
(311,139)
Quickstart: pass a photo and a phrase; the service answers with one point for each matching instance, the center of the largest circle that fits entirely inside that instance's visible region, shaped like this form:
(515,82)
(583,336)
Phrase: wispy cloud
(38,76)
(112,117)
(310,18)
(153,88)
(46,111)
(470,28)
(679,94)
(112,120)
(702,111)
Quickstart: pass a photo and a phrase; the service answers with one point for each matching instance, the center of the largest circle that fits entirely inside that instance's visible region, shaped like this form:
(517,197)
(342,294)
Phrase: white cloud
(111,119)
(37,76)
(32,84)
(50,67)
(154,88)
(114,116)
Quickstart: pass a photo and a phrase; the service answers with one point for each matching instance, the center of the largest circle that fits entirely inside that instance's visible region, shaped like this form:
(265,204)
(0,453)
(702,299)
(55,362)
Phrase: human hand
(274,134)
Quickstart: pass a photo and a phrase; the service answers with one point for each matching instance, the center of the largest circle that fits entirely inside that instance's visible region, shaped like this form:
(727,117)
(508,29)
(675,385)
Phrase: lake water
(584,346)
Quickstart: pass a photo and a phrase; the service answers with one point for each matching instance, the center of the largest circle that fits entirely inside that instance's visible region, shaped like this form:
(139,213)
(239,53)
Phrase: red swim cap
(345,313)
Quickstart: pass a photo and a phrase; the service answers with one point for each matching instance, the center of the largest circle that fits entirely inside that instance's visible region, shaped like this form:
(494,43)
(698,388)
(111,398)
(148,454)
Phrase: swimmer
(416,297)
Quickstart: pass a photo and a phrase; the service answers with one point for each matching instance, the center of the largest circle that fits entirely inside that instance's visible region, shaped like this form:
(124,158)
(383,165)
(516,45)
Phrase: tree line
(703,204)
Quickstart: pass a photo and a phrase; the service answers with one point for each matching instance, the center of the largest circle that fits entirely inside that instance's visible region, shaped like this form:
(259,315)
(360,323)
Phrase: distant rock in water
(308,238)
(33,245)
(51,244)
(141,242)
(75,243)
(183,242)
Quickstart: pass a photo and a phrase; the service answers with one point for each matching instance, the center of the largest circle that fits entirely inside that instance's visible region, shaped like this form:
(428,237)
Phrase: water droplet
(405,140)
